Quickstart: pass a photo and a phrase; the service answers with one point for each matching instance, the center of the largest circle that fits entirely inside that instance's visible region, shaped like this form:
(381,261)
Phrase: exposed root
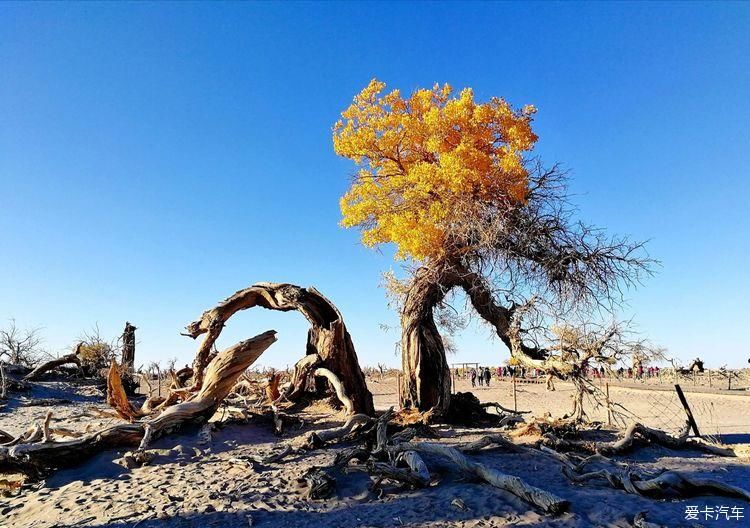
(665,485)
(338,387)
(639,434)
(545,501)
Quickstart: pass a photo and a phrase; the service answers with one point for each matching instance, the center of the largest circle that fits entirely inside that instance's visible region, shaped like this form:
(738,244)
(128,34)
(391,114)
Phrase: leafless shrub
(20,347)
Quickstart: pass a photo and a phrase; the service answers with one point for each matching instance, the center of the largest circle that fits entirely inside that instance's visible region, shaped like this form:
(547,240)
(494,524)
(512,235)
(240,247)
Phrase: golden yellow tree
(425,159)
(448,181)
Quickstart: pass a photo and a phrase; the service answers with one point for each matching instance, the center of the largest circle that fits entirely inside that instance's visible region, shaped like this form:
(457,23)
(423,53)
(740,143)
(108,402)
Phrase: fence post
(515,400)
(689,413)
(398,389)
(709,378)
(609,410)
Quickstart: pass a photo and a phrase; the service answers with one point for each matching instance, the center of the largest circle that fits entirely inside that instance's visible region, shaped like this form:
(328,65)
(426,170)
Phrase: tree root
(638,433)
(545,501)
(664,485)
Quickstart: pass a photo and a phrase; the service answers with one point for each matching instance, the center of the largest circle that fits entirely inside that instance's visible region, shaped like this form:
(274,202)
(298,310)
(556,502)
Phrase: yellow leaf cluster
(423,158)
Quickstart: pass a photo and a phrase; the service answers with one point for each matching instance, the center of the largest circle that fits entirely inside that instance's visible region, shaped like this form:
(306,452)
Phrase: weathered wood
(73,358)
(221,375)
(637,431)
(128,347)
(117,398)
(541,499)
(327,336)
(338,386)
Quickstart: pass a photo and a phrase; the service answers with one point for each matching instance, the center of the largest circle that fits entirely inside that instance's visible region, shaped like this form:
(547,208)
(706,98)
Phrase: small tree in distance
(451,184)
(20,347)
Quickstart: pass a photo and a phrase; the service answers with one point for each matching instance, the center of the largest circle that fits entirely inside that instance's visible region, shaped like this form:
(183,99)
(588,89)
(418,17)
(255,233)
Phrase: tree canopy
(426,159)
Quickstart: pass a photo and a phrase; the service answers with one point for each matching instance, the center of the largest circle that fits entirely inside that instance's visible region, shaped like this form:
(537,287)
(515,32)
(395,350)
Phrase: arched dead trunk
(426,385)
(328,337)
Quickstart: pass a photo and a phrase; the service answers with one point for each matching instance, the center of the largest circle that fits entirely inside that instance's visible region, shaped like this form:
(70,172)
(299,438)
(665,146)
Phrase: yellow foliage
(424,158)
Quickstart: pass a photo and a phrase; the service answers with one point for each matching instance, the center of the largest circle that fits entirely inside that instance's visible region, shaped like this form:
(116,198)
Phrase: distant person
(480,376)
(473,378)
(487,376)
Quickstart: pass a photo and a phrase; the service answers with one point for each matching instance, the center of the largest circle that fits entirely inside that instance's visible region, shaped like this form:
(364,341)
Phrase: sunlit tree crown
(426,158)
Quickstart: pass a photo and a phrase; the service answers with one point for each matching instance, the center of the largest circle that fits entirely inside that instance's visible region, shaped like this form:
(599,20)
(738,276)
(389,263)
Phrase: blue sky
(154,158)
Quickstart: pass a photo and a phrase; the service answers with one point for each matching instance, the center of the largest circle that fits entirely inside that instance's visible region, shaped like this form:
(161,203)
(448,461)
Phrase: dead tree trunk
(327,337)
(49,365)
(426,385)
(128,347)
(220,376)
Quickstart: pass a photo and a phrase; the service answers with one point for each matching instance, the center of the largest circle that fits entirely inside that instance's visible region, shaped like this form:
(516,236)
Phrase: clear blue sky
(154,158)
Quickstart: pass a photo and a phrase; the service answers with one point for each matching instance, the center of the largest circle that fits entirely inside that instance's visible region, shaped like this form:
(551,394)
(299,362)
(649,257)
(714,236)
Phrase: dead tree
(20,347)
(128,347)
(68,359)
(221,374)
(329,344)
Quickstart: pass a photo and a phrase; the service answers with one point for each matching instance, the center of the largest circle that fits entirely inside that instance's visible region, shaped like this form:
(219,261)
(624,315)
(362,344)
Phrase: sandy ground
(217,484)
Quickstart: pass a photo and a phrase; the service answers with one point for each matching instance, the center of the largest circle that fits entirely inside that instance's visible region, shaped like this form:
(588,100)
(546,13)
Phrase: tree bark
(426,385)
(128,347)
(327,337)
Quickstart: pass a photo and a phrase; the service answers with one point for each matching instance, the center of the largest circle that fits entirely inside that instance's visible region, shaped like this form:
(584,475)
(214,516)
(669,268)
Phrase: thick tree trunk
(327,337)
(426,386)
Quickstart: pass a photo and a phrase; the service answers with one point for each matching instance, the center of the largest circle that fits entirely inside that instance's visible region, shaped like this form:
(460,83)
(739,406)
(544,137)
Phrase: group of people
(483,376)
(638,372)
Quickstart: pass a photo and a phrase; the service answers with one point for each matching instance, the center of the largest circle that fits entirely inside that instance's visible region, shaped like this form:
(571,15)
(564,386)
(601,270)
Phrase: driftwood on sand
(665,484)
(220,376)
(74,358)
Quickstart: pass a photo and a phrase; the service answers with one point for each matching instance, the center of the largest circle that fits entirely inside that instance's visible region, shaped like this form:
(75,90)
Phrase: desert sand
(194,481)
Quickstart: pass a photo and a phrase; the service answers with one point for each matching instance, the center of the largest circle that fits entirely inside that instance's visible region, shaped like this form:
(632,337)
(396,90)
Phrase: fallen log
(73,358)
(665,485)
(317,439)
(668,484)
(545,501)
(39,458)
(637,431)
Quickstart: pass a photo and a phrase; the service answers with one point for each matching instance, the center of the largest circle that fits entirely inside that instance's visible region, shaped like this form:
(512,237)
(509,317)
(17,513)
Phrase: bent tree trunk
(73,358)
(327,337)
(426,386)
